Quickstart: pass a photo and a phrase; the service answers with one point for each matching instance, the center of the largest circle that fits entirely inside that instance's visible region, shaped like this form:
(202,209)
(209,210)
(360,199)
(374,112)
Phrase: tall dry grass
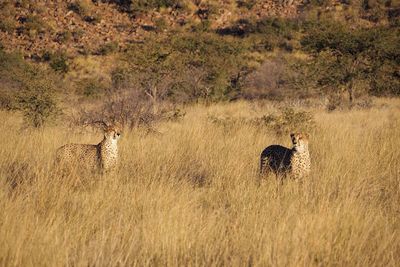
(189,196)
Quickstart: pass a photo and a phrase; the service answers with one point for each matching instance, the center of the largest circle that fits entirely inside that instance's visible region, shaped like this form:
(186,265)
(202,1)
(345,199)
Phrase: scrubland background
(188,195)
(201,87)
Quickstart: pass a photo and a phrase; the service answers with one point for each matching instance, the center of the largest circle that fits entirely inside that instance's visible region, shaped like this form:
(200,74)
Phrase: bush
(7,100)
(7,25)
(344,57)
(90,87)
(121,78)
(84,9)
(33,25)
(80,7)
(130,109)
(288,121)
(7,14)
(30,89)
(59,62)
(63,37)
(161,24)
(145,5)
(108,48)
(185,67)
(249,4)
(37,103)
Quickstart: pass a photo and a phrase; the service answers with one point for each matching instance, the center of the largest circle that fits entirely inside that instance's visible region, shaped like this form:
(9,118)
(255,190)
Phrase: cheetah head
(112,132)
(300,141)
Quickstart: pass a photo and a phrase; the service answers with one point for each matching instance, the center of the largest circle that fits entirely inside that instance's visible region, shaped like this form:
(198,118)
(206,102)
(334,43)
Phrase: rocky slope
(85,26)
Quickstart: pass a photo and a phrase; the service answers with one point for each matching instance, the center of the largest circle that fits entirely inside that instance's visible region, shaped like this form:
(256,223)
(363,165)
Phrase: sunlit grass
(189,196)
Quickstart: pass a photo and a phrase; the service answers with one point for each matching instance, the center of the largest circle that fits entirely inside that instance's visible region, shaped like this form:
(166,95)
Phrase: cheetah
(283,161)
(103,156)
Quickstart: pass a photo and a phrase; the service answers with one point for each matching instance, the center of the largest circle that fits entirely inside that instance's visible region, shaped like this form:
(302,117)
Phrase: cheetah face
(113,133)
(300,141)
(116,135)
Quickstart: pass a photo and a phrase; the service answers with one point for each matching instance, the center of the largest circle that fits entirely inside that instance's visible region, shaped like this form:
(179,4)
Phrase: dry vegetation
(188,196)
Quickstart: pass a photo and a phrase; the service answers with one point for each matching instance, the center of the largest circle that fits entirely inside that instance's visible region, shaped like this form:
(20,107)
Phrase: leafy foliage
(90,87)
(84,9)
(59,62)
(344,57)
(33,25)
(185,67)
(31,89)
(144,5)
(36,102)
(289,120)
(108,48)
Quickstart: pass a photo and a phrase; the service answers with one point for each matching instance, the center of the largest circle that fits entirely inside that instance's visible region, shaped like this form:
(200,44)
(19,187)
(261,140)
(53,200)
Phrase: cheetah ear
(101,123)
(118,125)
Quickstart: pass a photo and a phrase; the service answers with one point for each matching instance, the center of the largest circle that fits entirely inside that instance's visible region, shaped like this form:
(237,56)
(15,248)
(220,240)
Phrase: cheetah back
(79,154)
(276,158)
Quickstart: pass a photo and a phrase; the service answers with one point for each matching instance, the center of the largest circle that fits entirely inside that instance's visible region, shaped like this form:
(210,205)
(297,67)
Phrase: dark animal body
(283,161)
(275,158)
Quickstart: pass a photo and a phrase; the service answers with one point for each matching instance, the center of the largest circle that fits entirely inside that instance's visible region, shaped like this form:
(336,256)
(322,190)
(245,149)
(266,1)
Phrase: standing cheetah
(102,156)
(282,161)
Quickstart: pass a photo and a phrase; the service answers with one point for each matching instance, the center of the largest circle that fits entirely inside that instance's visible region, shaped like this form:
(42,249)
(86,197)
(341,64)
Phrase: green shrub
(59,62)
(186,66)
(318,2)
(37,102)
(161,24)
(322,35)
(33,25)
(94,19)
(344,57)
(80,7)
(63,37)
(145,5)
(108,48)
(269,26)
(249,4)
(7,25)
(7,100)
(7,14)
(121,78)
(77,34)
(90,87)
(84,9)
(31,89)
(288,121)
(151,4)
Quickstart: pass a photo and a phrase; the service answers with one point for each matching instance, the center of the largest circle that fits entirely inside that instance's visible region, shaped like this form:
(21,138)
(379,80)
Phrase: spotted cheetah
(103,156)
(282,161)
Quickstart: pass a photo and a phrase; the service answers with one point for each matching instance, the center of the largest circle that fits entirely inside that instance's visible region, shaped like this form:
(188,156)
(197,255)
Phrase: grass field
(188,195)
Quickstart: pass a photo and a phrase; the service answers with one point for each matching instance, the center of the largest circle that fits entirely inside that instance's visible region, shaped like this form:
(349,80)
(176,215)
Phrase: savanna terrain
(188,194)
(200,88)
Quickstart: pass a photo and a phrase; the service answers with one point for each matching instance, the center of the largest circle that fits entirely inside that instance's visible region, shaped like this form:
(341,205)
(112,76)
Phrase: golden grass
(189,196)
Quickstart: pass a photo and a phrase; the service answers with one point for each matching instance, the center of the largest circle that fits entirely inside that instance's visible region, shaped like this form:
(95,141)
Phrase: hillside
(82,26)
(141,55)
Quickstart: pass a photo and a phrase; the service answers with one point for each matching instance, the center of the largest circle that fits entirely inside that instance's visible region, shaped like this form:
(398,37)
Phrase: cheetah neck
(109,152)
(300,154)
(300,162)
(300,149)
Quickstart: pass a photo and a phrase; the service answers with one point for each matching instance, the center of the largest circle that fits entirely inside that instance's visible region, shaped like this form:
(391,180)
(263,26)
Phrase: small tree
(340,56)
(344,57)
(31,89)
(198,65)
(37,103)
